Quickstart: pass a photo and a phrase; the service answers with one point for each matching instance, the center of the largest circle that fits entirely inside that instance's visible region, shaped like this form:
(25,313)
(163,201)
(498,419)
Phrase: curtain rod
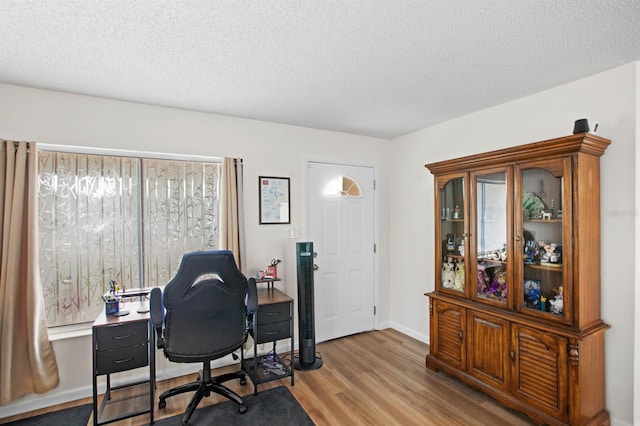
(16,145)
(74,149)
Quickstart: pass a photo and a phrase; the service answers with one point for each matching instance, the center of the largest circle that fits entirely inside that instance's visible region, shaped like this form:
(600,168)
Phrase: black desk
(121,344)
(272,322)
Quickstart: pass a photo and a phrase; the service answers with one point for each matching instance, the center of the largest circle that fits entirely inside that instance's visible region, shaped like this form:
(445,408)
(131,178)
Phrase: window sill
(69,332)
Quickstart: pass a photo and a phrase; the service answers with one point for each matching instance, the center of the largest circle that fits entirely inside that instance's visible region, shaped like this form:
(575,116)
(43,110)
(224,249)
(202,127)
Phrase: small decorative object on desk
(272,269)
(111,299)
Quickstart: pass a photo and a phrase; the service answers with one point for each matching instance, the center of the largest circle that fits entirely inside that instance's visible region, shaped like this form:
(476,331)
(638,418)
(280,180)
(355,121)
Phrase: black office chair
(203,315)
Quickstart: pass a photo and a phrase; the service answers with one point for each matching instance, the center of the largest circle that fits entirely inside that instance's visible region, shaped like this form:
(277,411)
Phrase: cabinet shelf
(555,267)
(267,367)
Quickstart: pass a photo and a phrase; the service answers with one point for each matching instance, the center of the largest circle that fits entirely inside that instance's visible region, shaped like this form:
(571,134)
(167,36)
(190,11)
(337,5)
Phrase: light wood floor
(374,378)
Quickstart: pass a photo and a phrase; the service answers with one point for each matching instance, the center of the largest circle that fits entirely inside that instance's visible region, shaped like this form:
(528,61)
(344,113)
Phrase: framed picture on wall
(275,206)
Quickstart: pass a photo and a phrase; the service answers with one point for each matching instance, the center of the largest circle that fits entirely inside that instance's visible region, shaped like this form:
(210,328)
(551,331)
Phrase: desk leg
(95,381)
(152,371)
(291,358)
(95,398)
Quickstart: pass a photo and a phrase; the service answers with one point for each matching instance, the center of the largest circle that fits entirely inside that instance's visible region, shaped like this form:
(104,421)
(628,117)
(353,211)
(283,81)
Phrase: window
(343,186)
(104,217)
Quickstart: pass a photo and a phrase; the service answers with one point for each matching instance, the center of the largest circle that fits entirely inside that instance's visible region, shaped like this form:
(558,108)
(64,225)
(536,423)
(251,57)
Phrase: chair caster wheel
(242,409)
(243,381)
(162,404)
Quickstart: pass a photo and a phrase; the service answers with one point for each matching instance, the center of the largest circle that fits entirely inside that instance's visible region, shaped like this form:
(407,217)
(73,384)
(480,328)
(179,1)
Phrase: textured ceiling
(370,67)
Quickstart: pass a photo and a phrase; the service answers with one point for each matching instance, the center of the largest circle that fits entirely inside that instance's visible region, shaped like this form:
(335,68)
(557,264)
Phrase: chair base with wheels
(203,388)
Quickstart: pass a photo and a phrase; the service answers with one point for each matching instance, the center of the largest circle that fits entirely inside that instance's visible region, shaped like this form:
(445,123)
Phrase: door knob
(315,267)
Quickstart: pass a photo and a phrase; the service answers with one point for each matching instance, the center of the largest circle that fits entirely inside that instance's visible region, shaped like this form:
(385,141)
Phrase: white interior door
(342,228)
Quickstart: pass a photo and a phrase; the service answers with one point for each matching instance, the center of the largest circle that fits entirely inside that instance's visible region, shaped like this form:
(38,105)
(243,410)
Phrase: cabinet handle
(271,333)
(120,361)
(460,335)
(513,356)
(270,314)
(122,337)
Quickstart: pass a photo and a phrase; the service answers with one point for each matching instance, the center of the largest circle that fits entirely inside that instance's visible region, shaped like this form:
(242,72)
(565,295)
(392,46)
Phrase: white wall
(267,149)
(609,98)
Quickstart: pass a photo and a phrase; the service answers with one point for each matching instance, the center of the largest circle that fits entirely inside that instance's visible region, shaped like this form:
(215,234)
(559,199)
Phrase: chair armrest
(156,311)
(252,296)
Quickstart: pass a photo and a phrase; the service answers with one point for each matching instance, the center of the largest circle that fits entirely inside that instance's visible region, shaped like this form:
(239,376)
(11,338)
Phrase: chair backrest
(205,314)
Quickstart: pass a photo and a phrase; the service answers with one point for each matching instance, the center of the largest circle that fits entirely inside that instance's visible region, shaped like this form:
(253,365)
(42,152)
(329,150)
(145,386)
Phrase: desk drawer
(122,335)
(122,359)
(273,313)
(274,331)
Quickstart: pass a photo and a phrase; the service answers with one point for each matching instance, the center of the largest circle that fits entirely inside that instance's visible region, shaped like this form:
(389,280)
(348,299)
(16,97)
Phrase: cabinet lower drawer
(122,335)
(274,331)
(122,359)
(273,313)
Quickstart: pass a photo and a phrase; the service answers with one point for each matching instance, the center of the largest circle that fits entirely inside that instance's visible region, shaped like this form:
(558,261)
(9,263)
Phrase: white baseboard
(409,332)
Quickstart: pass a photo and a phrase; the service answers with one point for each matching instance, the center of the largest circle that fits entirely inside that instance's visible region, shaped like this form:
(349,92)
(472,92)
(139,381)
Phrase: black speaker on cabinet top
(306,358)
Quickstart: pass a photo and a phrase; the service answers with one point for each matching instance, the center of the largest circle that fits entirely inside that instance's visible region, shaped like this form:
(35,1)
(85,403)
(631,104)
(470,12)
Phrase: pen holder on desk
(111,304)
(111,308)
(272,271)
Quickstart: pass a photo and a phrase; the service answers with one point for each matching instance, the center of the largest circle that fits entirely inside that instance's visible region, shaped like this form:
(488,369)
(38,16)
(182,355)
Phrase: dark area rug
(275,406)
(74,416)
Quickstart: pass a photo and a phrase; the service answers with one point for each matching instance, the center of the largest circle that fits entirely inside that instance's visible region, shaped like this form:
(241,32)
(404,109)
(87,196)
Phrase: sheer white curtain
(27,360)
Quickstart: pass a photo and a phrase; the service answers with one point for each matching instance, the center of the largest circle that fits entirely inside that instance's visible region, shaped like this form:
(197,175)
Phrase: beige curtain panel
(229,223)
(27,361)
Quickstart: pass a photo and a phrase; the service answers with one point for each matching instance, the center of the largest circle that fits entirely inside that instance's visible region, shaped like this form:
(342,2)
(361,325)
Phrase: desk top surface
(130,306)
(268,296)
(267,280)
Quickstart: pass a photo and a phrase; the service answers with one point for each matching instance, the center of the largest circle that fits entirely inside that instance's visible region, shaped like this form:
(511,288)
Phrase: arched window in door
(343,186)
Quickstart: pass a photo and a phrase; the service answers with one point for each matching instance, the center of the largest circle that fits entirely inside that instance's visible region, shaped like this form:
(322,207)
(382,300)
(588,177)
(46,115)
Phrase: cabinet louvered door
(449,345)
(540,369)
(488,351)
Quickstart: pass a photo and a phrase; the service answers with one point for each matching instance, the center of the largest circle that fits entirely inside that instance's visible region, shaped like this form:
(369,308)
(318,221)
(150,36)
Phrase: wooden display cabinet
(516,306)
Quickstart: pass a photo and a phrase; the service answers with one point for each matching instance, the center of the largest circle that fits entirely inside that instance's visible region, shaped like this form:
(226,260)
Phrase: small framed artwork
(275,206)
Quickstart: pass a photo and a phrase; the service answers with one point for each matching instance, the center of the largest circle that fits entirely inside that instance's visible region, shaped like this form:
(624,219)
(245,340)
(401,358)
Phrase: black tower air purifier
(306,359)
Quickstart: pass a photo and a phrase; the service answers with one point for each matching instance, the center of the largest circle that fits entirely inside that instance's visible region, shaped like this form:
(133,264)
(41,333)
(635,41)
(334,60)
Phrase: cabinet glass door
(544,219)
(452,233)
(490,234)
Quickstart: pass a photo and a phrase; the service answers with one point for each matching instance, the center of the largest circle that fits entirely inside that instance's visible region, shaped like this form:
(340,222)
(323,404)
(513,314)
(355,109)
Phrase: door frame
(376,227)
